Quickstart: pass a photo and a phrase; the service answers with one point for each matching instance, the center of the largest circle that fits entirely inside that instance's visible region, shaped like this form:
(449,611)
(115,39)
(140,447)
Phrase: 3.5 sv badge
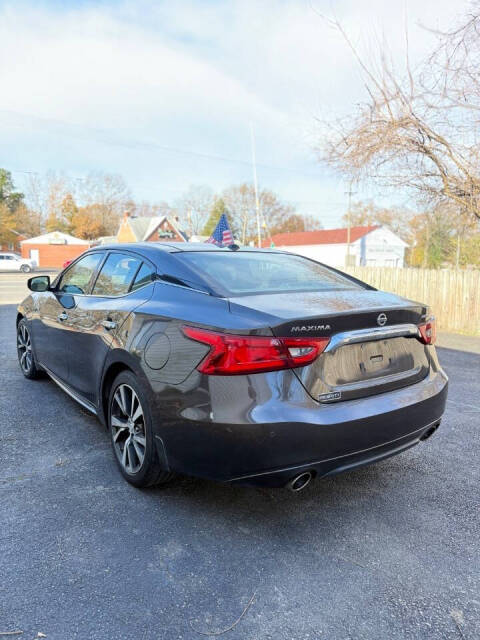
(330,397)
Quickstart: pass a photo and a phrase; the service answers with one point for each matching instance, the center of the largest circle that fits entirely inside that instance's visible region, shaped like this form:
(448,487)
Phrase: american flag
(222,235)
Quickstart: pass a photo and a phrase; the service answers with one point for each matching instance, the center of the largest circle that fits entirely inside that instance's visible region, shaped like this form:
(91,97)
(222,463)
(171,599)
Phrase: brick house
(53,249)
(148,229)
(14,244)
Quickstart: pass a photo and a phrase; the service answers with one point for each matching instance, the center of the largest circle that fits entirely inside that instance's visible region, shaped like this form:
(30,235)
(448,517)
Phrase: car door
(95,322)
(51,309)
(10,263)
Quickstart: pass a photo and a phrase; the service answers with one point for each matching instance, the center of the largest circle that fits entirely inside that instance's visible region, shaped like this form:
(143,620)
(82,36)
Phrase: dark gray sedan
(249,366)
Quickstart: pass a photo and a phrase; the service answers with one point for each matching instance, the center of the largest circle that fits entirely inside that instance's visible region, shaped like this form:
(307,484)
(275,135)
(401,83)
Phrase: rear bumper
(283,438)
(333,466)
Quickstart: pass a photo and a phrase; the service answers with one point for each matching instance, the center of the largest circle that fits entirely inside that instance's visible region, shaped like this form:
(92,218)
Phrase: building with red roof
(369,246)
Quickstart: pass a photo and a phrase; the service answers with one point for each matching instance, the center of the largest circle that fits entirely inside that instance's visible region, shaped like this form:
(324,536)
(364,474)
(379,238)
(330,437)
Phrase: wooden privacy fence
(453,295)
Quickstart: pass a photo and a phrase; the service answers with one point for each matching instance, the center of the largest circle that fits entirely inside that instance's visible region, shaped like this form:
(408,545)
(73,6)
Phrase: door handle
(62,316)
(108,324)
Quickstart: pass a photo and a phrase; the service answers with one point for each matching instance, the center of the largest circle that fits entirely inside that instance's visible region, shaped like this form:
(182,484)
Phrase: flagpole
(255,184)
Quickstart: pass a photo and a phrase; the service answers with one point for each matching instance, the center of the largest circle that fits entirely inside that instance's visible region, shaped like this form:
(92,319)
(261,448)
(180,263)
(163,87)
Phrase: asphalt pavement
(13,285)
(390,551)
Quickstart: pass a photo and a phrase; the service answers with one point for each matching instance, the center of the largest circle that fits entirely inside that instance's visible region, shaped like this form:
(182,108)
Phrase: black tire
(25,268)
(132,434)
(26,357)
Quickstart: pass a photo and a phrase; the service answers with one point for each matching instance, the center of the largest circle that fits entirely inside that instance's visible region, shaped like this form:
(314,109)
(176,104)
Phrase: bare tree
(311,222)
(28,222)
(104,195)
(44,195)
(395,218)
(109,194)
(34,194)
(418,129)
(150,210)
(240,202)
(193,208)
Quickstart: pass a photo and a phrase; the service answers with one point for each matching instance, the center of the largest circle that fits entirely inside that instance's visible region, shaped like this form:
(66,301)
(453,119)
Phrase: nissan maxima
(248,366)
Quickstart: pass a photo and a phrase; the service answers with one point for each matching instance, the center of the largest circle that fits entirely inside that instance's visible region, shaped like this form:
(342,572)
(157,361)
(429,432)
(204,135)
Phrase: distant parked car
(66,263)
(14,262)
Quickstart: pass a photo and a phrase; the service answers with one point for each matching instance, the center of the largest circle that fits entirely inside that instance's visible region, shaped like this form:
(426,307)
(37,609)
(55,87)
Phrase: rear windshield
(246,273)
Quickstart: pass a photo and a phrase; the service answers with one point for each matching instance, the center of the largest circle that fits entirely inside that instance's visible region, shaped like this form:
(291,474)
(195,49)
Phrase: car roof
(173,247)
(160,251)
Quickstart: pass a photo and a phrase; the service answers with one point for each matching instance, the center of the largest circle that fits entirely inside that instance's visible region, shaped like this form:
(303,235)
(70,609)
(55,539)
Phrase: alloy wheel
(127,423)
(24,347)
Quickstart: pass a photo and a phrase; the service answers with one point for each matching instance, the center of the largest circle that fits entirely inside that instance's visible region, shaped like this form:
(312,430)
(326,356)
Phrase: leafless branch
(419,131)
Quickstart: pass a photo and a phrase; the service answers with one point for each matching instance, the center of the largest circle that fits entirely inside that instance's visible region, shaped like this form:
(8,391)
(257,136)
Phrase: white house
(369,246)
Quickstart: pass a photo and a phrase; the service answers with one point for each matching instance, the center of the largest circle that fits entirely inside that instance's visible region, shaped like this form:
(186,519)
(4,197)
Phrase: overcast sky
(164,92)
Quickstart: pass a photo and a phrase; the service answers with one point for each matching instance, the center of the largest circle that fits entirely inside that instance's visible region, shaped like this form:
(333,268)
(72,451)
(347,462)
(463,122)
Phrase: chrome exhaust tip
(429,432)
(298,483)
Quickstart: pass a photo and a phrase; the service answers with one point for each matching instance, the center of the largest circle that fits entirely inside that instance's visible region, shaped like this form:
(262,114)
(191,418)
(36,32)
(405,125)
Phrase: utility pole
(457,258)
(427,244)
(255,184)
(461,229)
(350,193)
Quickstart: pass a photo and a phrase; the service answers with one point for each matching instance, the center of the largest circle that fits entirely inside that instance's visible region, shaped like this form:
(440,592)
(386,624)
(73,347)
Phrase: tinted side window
(77,278)
(116,275)
(144,276)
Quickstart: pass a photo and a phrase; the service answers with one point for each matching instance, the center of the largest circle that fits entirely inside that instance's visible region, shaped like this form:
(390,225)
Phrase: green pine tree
(12,199)
(217,210)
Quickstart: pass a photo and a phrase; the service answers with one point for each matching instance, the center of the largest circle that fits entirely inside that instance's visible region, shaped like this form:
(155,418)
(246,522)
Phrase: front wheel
(25,268)
(131,433)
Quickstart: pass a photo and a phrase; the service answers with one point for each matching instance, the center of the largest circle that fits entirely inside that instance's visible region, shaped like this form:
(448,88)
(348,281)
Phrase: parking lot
(387,551)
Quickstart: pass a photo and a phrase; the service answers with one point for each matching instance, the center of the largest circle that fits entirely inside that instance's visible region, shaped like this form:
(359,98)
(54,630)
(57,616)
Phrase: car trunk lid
(373,344)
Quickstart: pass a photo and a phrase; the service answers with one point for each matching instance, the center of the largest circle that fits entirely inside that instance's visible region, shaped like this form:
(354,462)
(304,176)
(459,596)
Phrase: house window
(11,246)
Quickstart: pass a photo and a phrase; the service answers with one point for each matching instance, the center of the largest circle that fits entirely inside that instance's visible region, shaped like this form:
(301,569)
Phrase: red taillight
(428,331)
(232,355)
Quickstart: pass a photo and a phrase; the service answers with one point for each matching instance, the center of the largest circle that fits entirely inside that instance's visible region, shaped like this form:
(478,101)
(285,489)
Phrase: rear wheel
(26,359)
(25,268)
(131,433)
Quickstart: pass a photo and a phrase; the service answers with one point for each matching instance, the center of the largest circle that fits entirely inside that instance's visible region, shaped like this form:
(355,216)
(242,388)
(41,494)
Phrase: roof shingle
(324,236)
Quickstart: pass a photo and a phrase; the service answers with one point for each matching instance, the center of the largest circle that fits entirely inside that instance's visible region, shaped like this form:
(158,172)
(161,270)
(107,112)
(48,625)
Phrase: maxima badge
(330,397)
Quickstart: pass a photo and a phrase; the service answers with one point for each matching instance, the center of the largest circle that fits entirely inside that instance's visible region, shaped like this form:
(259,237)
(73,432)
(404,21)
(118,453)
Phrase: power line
(140,144)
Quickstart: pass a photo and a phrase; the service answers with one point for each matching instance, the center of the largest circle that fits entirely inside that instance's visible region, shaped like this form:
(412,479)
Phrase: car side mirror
(39,283)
